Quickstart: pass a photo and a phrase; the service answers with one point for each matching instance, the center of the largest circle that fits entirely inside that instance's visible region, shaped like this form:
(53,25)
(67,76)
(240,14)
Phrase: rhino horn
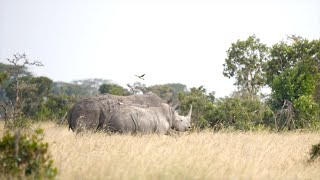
(190,112)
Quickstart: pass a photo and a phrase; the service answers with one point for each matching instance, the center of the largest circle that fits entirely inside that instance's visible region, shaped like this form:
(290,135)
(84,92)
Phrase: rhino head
(181,123)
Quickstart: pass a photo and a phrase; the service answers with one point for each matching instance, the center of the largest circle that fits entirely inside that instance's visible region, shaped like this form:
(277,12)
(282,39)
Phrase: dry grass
(204,155)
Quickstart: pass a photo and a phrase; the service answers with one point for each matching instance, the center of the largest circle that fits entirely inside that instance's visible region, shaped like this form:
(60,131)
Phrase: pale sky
(172,41)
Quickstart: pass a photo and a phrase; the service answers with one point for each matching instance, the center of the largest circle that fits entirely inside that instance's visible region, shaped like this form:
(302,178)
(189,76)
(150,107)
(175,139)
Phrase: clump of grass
(315,152)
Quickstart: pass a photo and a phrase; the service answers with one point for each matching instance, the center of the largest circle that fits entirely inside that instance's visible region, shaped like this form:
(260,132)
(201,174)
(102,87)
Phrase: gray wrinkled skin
(131,119)
(91,113)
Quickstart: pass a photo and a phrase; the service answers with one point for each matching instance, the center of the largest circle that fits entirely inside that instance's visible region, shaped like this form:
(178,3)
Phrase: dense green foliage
(295,82)
(241,113)
(285,55)
(3,76)
(293,75)
(33,94)
(25,155)
(54,107)
(113,89)
(230,112)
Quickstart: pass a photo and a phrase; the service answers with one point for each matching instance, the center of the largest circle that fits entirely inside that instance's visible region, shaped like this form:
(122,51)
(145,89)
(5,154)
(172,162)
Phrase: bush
(241,114)
(306,111)
(314,152)
(25,155)
(54,107)
(292,96)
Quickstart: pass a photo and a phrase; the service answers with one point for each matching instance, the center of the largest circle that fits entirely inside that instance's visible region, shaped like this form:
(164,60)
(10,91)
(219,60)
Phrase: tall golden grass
(203,155)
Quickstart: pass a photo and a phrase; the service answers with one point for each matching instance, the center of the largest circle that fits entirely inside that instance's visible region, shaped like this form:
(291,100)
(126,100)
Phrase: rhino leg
(102,119)
(72,124)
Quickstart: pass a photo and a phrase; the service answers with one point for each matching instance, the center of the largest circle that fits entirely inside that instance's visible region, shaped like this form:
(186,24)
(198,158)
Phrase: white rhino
(132,119)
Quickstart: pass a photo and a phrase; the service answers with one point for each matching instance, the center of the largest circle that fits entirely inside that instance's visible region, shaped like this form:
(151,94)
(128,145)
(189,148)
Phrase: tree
(3,76)
(168,92)
(295,82)
(3,107)
(293,75)
(177,87)
(16,72)
(54,107)
(163,91)
(43,85)
(245,62)
(6,77)
(285,55)
(79,88)
(69,89)
(10,67)
(90,87)
(113,89)
(292,92)
(34,95)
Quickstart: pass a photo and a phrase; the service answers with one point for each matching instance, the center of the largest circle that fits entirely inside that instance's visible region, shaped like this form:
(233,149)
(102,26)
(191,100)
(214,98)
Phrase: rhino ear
(170,101)
(175,107)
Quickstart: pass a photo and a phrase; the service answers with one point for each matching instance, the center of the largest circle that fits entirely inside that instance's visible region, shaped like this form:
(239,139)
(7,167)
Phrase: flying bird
(141,76)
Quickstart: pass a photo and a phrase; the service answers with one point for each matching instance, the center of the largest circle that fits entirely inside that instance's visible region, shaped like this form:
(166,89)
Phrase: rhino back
(112,101)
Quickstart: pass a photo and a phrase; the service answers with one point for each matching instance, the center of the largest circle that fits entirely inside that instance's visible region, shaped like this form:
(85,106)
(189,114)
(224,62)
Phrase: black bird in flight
(141,76)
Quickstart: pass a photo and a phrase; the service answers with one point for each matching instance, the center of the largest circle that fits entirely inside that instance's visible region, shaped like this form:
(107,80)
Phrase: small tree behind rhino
(19,62)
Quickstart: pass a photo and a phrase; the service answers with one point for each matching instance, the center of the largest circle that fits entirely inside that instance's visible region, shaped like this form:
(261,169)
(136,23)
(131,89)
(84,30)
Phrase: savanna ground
(202,155)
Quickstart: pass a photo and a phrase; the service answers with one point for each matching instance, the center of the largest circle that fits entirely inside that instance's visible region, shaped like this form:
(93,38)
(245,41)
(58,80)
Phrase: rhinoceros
(132,119)
(90,113)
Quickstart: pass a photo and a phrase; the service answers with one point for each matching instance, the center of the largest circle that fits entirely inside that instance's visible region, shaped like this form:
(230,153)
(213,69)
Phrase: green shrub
(55,107)
(292,96)
(314,152)
(306,111)
(241,114)
(25,155)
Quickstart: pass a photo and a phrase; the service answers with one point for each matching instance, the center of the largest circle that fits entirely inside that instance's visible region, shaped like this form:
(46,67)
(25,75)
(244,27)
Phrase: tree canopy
(113,89)
(245,61)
